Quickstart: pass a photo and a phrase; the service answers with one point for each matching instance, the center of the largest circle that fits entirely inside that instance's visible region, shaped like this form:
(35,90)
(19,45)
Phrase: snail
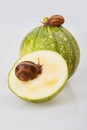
(55,20)
(27,70)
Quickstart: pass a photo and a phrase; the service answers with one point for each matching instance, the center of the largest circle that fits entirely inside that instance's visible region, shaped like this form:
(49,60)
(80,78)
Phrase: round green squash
(55,38)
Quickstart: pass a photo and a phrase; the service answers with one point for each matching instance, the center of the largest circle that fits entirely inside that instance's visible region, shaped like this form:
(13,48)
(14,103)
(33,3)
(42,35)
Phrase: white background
(67,111)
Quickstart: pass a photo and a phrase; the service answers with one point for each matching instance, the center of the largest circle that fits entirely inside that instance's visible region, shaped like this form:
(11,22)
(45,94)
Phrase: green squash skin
(56,39)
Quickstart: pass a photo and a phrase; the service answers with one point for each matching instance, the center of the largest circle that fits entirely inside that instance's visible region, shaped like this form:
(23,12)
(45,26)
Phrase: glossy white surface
(67,111)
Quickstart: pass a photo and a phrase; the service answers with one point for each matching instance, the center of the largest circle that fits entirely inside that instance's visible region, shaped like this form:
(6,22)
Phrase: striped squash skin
(53,38)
